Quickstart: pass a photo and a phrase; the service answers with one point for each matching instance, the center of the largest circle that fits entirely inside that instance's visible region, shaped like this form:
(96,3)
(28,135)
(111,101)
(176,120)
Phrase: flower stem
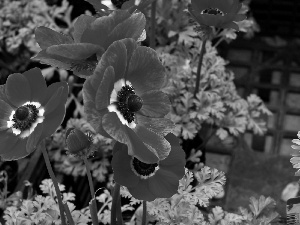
(153,24)
(55,183)
(199,67)
(93,204)
(144,220)
(115,199)
(88,173)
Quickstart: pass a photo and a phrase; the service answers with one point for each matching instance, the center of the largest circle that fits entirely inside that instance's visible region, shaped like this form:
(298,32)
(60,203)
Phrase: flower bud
(79,144)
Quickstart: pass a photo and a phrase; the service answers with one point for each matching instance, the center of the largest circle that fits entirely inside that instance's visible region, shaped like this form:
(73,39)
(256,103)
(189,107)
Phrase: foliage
(19,18)
(44,209)
(217,102)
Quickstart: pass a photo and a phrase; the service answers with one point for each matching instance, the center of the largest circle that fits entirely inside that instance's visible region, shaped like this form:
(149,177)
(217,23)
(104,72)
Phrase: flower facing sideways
(123,101)
(91,37)
(217,13)
(29,112)
(149,181)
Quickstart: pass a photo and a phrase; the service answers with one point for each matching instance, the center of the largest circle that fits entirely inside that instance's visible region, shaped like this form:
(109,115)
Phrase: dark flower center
(22,113)
(128,102)
(143,169)
(24,117)
(212,11)
(134,103)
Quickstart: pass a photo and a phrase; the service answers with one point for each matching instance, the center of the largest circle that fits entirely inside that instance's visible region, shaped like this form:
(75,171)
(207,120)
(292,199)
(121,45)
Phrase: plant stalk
(144,219)
(115,199)
(199,67)
(55,183)
(93,205)
(153,24)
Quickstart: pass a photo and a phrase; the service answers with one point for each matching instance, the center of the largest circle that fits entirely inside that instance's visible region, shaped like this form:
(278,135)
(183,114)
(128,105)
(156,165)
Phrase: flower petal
(98,31)
(63,63)
(17,89)
(76,51)
(164,184)
(7,141)
(231,25)
(80,25)
(114,56)
(145,70)
(105,89)
(53,120)
(125,135)
(131,45)
(175,161)
(155,104)
(18,151)
(94,116)
(239,17)
(47,37)
(37,84)
(199,6)
(5,112)
(123,173)
(3,96)
(132,27)
(55,94)
(161,126)
(34,138)
(155,141)
(141,191)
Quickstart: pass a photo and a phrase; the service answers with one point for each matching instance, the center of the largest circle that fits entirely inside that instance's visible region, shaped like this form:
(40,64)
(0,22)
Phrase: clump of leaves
(217,103)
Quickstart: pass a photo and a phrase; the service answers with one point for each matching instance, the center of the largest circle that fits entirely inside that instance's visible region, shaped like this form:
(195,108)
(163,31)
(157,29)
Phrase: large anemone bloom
(149,181)
(91,37)
(217,13)
(29,112)
(123,101)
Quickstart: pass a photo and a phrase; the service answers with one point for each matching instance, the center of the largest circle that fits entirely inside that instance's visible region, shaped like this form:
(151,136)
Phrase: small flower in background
(150,181)
(91,37)
(29,112)
(216,13)
(123,101)
(79,144)
(295,160)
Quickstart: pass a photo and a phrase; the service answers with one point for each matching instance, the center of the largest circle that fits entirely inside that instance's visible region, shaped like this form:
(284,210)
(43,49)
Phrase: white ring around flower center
(114,98)
(40,118)
(143,176)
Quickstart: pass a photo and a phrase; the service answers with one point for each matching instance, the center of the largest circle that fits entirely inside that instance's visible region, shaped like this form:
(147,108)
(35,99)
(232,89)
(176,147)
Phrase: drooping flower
(29,112)
(217,13)
(123,101)
(91,37)
(149,181)
(79,144)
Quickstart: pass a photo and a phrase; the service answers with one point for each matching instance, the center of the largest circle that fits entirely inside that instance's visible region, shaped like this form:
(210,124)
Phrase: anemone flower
(217,13)
(91,37)
(149,181)
(123,101)
(29,112)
